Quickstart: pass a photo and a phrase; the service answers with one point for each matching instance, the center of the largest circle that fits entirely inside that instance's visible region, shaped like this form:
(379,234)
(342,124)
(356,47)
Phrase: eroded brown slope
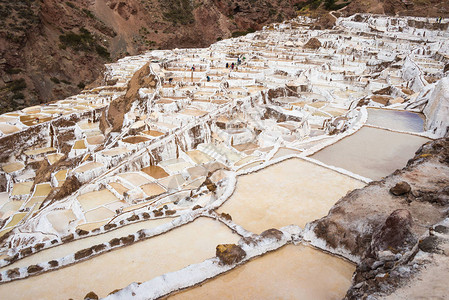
(50,49)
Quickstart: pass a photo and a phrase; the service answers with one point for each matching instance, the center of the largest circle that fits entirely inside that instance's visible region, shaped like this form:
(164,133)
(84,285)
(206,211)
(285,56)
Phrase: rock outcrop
(437,109)
(382,231)
(313,43)
(400,188)
(230,254)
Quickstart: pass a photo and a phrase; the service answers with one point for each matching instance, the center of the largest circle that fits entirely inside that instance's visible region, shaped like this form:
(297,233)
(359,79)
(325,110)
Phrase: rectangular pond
(291,192)
(372,152)
(292,272)
(142,261)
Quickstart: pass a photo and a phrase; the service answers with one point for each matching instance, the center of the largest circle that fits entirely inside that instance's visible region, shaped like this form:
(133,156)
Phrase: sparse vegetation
(178,11)
(81,85)
(18,96)
(314,4)
(84,41)
(89,14)
(241,33)
(70,4)
(17,85)
(55,80)
(12,71)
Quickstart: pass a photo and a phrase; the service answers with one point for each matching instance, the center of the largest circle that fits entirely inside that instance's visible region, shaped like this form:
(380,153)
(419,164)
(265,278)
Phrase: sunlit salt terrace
(183,154)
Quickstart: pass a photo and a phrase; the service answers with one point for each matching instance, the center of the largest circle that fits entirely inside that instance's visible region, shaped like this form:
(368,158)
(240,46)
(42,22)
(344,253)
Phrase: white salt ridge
(195,274)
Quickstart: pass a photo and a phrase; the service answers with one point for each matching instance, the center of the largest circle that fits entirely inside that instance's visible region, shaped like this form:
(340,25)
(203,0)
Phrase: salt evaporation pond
(396,119)
(72,247)
(142,261)
(372,152)
(291,192)
(293,272)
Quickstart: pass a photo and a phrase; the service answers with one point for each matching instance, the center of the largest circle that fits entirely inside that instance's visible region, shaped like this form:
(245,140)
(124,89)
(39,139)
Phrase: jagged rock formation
(384,232)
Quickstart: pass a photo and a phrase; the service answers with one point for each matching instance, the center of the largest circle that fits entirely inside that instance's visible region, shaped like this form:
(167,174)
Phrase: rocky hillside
(50,49)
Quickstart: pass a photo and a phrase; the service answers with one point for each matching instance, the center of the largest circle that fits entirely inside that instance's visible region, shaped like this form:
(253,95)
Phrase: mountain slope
(50,49)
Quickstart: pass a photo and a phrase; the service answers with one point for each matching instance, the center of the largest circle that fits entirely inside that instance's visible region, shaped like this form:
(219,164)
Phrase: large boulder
(91,296)
(313,43)
(230,253)
(401,188)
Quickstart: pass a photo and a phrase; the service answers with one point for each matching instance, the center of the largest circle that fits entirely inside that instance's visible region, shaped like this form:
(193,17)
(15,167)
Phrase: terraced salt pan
(60,219)
(12,167)
(91,200)
(189,244)
(152,189)
(55,157)
(87,167)
(99,214)
(396,120)
(291,192)
(22,188)
(135,178)
(72,247)
(8,129)
(199,157)
(292,272)
(371,152)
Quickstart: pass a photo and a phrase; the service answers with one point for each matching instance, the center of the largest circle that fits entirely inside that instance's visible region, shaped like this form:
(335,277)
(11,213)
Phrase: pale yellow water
(292,272)
(94,199)
(99,214)
(12,167)
(72,247)
(39,151)
(189,244)
(199,157)
(118,187)
(8,129)
(53,158)
(152,189)
(89,166)
(22,188)
(291,192)
(135,178)
(42,190)
(372,152)
(283,151)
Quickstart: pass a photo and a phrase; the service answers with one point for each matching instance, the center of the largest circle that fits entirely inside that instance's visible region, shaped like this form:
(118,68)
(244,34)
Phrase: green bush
(102,51)
(241,33)
(18,96)
(55,80)
(81,85)
(84,41)
(17,85)
(178,11)
(89,13)
(12,71)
